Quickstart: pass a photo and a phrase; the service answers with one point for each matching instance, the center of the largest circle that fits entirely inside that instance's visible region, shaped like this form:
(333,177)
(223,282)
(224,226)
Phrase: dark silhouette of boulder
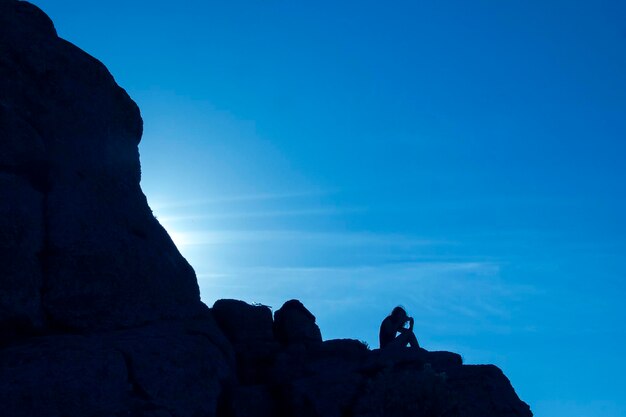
(242,322)
(83,250)
(249,329)
(483,390)
(293,323)
(100,314)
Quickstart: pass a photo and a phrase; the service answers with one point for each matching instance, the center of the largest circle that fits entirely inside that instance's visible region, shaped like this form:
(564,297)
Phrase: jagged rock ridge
(100,314)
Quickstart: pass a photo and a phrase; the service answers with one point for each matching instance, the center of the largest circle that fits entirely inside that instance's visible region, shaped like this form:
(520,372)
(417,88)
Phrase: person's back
(387,332)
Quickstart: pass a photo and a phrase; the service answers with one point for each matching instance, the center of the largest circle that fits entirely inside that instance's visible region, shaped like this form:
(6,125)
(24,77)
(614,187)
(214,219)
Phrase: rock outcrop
(80,246)
(100,315)
(336,378)
(294,323)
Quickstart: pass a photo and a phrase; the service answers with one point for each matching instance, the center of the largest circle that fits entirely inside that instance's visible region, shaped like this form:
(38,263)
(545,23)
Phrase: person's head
(399,315)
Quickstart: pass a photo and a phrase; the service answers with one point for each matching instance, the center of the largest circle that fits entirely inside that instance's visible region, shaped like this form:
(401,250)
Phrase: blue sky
(463,159)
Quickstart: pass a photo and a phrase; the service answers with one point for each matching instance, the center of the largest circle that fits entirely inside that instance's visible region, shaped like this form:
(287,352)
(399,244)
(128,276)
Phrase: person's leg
(407,337)
(412,340)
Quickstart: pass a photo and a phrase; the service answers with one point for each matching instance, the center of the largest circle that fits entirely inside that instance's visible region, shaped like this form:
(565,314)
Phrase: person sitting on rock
(394,324)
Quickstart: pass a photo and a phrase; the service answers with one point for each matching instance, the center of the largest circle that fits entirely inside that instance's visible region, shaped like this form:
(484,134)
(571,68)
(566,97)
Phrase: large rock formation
(80,246)
(100,314)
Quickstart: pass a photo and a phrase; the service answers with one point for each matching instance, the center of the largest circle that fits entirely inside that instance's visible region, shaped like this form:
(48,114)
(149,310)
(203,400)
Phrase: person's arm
(402,329)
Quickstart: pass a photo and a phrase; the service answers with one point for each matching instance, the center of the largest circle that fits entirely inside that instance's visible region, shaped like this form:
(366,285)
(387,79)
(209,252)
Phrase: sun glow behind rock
(180,238)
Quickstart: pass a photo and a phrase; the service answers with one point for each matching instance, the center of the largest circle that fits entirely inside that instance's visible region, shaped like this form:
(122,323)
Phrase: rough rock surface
(176,368)
(249,329)
(293,323)
(100,314)
(81,248)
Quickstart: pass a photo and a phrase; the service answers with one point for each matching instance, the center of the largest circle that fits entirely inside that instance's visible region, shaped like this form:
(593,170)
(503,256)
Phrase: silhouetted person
(394,324)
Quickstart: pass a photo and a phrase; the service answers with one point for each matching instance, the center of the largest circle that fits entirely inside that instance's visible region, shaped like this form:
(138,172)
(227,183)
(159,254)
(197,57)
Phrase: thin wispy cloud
(431,285)
(215,237)
(166,204)
(263,214)
(446,297)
